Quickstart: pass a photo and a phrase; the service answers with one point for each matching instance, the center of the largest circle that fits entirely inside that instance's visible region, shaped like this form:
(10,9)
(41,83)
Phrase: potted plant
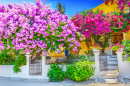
(96,48)
(117,47)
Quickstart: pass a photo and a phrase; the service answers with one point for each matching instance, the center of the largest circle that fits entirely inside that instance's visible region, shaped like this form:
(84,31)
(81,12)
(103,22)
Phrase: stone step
(111,75)
(109,72)
(112,59)
(114,56)
(112,62)
(108,80)
(112,67)
(111,80)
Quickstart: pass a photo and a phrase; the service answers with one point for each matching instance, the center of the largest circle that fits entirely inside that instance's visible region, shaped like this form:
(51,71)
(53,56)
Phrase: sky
(71,6)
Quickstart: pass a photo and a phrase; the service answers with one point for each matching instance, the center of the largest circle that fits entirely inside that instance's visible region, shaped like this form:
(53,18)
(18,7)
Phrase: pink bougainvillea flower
(36,28)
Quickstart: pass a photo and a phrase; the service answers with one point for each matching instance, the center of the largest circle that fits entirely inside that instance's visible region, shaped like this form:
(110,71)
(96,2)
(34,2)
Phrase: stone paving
(24,82)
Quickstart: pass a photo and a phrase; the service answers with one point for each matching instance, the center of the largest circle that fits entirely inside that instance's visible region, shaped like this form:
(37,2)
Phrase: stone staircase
(110,75)
(112,63)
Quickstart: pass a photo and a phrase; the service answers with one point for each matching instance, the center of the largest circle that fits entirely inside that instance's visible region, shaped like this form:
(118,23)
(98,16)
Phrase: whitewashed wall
(125,69)
(124,66)
(7,71)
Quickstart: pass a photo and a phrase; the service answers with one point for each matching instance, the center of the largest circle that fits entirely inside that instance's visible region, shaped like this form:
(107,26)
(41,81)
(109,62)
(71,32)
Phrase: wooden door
(116,38)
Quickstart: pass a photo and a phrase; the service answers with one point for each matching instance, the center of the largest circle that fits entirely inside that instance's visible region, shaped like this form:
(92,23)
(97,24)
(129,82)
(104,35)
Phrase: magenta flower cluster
(100,23)
(35,28)
(92,24)
(116,46)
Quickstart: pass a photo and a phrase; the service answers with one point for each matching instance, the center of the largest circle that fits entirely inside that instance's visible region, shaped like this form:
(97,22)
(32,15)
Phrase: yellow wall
(55,54)
(108,50)
(127,36)
(107,8)
(84,48)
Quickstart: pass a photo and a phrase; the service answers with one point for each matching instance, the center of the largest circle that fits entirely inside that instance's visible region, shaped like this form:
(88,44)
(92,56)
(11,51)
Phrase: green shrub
(55,73)
(21,60)
(6,57)
(126,53)
(80,71)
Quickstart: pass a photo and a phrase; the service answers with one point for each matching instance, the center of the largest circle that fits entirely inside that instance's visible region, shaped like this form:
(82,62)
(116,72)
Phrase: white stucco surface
(124,66)
(7,70)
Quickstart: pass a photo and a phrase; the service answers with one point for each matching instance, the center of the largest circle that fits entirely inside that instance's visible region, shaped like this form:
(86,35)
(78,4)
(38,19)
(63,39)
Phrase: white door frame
(111,44)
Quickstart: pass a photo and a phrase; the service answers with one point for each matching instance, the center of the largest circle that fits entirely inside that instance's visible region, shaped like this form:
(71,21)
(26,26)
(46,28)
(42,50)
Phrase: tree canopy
(60,8)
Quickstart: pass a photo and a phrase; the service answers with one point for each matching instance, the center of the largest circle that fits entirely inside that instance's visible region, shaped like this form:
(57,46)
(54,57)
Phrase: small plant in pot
(96,47)
(117,47)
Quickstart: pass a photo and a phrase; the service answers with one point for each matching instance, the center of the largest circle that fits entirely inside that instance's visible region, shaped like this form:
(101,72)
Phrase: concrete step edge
(112,62)
(111,80)
(109,74)
(112,59)
(111,67)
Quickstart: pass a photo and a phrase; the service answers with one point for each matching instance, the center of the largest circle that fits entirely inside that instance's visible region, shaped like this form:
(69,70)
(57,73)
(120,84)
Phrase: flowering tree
(35,28)
(91,24)
(122,5)
(99,24)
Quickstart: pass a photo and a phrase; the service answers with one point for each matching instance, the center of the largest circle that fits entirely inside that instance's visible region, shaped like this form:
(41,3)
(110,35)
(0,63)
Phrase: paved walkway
(12,82)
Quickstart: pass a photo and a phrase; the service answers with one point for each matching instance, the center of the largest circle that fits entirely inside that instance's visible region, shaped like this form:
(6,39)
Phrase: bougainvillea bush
(35,28)
(92,24)
(123,5)
(99,25)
